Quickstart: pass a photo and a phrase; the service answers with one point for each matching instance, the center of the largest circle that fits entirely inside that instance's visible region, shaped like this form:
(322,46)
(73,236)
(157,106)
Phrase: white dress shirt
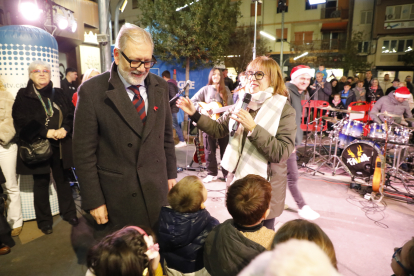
(131,94)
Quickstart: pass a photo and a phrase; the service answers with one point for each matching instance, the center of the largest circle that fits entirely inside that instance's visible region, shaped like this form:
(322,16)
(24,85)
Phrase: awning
(334,27)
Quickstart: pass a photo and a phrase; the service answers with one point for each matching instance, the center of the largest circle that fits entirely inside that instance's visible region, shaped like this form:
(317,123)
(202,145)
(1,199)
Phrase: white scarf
(251,161)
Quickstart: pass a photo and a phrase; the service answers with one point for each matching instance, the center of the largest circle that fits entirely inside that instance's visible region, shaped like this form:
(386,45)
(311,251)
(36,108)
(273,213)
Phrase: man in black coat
(69,83)
(173,90)
(123,145)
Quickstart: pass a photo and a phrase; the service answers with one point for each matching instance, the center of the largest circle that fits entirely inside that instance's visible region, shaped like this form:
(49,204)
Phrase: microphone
(246,100)
(186,85)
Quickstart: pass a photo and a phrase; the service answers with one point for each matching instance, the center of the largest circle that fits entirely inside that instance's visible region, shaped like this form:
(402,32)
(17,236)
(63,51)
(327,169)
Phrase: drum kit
(358,147)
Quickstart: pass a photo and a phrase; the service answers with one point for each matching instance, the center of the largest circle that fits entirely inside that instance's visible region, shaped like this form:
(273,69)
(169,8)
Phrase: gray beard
(130,78)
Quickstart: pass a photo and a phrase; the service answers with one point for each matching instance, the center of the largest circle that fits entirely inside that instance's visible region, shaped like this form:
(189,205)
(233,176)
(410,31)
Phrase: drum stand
(333,159)
(305,165)
(395,170)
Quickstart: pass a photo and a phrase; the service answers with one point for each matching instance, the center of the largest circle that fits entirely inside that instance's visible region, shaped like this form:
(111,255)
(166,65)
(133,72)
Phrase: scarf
(336,103)
(251,161)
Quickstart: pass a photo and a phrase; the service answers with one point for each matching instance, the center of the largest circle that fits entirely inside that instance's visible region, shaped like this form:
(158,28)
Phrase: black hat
(396,80)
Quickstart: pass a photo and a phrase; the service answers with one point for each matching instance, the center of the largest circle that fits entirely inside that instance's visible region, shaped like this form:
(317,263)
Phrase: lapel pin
(155,108)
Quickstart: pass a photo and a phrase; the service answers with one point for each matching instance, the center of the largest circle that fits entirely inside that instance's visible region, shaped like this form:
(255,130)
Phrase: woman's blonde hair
(270,67)
(305,230)
(87,74)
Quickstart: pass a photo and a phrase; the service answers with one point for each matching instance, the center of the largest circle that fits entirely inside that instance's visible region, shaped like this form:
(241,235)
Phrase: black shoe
(73,221)
(47,229)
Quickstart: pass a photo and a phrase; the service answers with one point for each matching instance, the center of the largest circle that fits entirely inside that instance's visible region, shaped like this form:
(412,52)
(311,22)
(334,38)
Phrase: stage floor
(364,233)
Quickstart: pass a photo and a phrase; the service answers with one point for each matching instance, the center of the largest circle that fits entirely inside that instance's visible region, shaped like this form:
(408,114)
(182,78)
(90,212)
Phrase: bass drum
(359,158)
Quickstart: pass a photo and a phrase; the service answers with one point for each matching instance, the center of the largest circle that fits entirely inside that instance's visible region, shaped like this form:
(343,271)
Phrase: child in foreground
(129,251)
(233,244)
(184,226)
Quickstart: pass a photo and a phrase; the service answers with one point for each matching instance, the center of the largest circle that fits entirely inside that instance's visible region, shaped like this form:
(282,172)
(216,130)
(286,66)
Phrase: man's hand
(171,183)
(100,214)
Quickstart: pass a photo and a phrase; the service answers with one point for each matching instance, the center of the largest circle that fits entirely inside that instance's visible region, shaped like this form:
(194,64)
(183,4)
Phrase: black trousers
(41,193)
(210,153)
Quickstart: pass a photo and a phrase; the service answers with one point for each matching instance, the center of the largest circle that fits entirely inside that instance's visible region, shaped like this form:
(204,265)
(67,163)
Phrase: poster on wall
(90,57)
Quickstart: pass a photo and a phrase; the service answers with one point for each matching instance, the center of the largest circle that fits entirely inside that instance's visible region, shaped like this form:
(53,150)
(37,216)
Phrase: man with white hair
(123,139)
(300,79)
(324,89)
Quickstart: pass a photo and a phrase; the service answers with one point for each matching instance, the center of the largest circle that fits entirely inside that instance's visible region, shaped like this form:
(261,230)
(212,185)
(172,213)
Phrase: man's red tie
(139,103)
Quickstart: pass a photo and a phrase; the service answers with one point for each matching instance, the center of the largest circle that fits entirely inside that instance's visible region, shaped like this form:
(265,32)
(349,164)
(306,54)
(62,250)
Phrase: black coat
(120,162)
(172,91)
(378,94)
(181,238)
(227,251)
(29,119)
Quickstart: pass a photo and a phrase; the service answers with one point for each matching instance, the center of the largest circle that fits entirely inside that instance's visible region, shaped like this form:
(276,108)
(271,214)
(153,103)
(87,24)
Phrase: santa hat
(300,70)
(402,92)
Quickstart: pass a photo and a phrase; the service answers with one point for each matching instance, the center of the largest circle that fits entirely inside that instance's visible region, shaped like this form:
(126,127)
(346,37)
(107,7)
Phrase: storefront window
(408,45)
(386,46)
(393,48)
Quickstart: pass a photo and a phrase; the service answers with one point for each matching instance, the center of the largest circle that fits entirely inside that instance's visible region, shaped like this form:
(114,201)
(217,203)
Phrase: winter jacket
(350,99)
(210,94)
(173,90)
(7,131)
(334,113)
(358,94)
(29,121)
(227,251)
(390,90)
(296,102)
(392,106)
(275,149)
(378,94)
(323,93)
(181,237)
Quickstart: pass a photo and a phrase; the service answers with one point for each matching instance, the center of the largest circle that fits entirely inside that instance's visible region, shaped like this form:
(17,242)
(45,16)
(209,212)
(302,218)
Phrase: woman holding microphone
(266,133)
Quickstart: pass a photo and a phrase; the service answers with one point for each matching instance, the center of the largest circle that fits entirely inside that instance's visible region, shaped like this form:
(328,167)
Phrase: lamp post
(255,26)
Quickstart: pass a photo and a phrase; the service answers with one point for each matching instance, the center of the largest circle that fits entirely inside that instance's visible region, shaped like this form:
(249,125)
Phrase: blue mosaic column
(21,45)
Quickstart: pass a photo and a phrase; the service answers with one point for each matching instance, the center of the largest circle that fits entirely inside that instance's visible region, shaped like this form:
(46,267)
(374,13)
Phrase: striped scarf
(251,161)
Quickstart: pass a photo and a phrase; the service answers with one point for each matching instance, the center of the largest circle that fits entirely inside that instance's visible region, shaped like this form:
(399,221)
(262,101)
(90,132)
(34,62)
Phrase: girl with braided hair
(127,252)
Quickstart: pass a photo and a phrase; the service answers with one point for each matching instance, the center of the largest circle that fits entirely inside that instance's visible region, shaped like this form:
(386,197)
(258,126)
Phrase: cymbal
(389,115)
(409,119)
(350,111)
(329,108)
(330,119)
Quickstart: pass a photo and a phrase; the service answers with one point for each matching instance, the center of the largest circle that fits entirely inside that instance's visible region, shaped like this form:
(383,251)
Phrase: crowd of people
(116,129)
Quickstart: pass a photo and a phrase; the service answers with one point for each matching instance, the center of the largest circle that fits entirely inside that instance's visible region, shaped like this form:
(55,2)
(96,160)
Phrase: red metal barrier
(313,108)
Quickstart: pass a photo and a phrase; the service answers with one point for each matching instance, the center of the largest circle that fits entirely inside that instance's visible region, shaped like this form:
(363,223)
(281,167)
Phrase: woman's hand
(60,133)
(51,134)
(186,105)
(244,118)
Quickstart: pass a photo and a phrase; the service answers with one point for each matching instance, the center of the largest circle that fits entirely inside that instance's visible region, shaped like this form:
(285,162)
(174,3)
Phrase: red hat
(402,92)
(300,70)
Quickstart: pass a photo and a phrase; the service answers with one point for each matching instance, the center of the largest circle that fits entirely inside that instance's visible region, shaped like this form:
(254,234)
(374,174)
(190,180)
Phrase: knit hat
(300,70)
(402,92)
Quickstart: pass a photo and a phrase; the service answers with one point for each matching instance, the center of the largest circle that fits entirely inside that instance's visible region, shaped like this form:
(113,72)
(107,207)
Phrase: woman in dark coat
(34,105)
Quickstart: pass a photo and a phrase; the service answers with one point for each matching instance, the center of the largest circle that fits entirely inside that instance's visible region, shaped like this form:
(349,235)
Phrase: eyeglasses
(395,256)
(44,71)
(138,63)
(258,74)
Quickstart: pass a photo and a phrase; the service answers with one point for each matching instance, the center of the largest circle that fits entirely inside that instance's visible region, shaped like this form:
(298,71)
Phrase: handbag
(36,152)
(40,150)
